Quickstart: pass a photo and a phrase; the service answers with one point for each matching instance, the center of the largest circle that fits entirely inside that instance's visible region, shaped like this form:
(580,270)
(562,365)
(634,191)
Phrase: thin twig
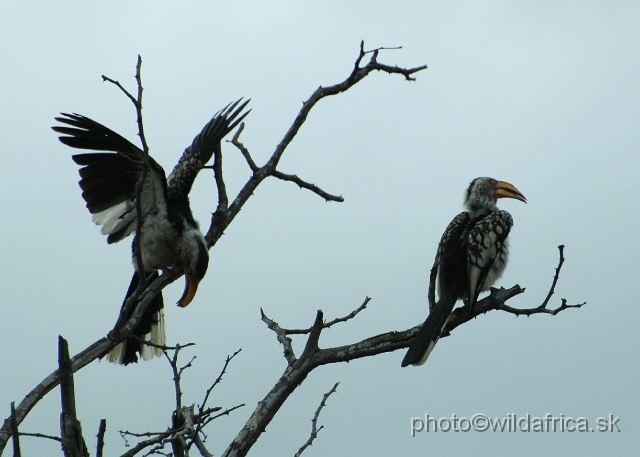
(177,373)
(539,309)
(201,447)
(349,316)
(226,412)
(305,185)
(162,346)
(125,433)
(243,150)
(282,337)
(137,102)
(143,140)
(41,435)
(117,83)
(555,277)
(144,444)
(218,380)
(314,421)
(221,222)
(223,200)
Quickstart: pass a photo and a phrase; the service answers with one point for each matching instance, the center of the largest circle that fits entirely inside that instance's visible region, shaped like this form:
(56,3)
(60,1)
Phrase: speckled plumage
(471,257)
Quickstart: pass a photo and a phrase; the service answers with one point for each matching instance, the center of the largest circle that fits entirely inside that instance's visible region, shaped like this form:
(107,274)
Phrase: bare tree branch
(200,446)
(223,200)
(221,221)
(143,445)
(283,339)
(245,152)
(137,103)
(177,373)
(88,355)
(180,436)
(101,431)
(201,409)
(312,357)
(497,301)
(73,444)
(188,423)
(351,315)
(41,435)
(206,418)
(191,422)
(314,421)
(14,430)
(555,277)
(305,185)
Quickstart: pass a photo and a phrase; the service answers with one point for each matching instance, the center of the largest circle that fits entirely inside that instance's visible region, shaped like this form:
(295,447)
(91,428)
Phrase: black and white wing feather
(449,255)
(196,155)
(487,252)
(109,179)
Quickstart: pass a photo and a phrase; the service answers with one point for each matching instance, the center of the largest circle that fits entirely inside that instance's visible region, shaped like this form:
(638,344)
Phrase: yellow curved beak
(190,288)
(507,190)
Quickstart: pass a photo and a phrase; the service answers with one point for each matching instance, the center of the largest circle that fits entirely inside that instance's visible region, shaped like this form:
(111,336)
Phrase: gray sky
(542,95)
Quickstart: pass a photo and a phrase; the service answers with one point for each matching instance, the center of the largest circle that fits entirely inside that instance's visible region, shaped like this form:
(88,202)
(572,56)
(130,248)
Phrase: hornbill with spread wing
(170,236)
(471,256)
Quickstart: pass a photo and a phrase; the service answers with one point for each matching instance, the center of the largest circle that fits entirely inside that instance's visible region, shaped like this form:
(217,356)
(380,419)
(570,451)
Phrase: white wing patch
(116,218)
(117,354)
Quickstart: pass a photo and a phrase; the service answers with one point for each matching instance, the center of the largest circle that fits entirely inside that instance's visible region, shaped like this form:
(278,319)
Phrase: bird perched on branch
(169,235)
(472,255)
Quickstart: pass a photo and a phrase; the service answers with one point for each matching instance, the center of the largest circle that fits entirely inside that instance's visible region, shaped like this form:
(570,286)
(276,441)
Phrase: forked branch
(221,220)
(313,356)
(314,421)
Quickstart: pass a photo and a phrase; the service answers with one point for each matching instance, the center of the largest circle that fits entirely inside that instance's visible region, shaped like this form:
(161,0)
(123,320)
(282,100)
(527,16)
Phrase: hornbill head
(195,260)
(484,192)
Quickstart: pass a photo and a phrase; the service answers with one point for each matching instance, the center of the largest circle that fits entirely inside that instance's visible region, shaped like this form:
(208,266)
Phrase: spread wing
(109,179)
(196,155)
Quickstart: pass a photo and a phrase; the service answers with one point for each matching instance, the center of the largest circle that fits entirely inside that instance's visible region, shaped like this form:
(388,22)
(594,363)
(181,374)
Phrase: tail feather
(151,328)
(430,331)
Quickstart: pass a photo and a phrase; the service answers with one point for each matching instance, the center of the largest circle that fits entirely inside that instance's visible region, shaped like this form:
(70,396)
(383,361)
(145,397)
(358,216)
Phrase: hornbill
(170,236)
(471,256)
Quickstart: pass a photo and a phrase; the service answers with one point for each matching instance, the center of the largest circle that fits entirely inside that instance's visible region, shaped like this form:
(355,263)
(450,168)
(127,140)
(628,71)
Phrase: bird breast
(498,267)
(159,243)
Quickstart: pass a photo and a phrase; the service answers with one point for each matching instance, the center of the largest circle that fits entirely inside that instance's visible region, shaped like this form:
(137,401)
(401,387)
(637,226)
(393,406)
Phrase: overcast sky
(541,94)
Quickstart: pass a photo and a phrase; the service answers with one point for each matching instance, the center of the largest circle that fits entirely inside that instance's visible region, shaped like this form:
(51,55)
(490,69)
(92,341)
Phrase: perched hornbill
(472,255)
(170,236)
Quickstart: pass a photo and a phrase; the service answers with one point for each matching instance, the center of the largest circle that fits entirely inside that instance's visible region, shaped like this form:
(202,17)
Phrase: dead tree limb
(73,444)
(187,422)
(220,221)
(101,431)
(314,421)
(15,438)
(298,368)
